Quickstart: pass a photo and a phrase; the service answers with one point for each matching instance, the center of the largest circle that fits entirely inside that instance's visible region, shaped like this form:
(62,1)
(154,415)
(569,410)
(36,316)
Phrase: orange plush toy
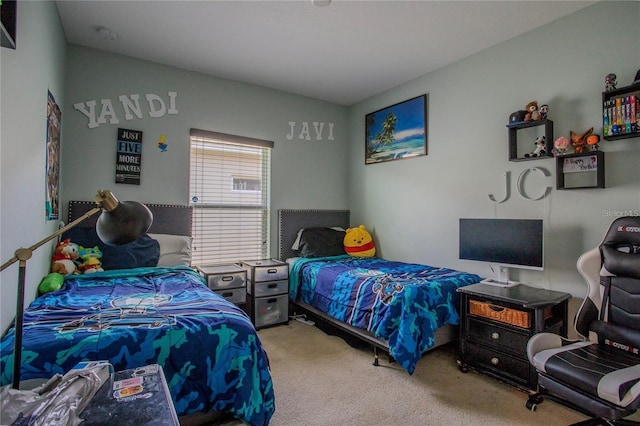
(579,142)
(358,242)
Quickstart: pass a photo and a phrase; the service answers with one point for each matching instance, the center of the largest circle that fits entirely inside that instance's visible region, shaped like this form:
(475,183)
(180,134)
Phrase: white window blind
(229,192)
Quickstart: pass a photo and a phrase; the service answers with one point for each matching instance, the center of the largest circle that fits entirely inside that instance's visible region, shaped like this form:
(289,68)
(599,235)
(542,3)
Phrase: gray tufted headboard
(291,221)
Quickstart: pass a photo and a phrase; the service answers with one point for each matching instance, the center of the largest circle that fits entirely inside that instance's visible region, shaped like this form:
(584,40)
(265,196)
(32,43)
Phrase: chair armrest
(543,341)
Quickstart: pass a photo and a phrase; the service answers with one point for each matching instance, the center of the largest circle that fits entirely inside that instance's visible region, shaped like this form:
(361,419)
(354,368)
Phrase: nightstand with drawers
(496,324)
(267,291)
(229,281)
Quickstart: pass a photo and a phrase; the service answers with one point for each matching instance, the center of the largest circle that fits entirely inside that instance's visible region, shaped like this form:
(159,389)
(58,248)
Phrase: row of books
(621,116)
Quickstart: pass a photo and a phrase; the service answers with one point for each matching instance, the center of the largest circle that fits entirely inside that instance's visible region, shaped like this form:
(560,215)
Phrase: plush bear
(64,256)
(358,242)
(532,111)
(90,259)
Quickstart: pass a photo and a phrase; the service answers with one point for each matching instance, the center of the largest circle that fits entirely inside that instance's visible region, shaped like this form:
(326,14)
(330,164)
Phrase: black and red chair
(599,375)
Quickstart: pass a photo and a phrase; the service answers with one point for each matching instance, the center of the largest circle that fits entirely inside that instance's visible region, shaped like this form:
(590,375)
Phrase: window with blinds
(229,192)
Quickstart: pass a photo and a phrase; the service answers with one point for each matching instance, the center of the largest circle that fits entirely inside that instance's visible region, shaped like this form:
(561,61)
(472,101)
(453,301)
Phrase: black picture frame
(397,132)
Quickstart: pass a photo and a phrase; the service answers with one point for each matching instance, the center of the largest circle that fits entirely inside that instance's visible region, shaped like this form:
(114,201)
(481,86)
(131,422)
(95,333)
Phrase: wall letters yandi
(130,106)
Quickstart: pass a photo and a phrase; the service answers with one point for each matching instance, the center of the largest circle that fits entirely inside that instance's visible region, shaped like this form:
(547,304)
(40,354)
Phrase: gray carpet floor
(321,380)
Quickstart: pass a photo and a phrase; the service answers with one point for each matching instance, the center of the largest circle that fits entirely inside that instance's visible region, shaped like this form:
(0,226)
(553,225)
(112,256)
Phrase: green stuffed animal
(51,282)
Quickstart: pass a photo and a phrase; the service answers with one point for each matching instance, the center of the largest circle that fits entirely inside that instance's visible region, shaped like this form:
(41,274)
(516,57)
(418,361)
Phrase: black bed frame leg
(375,356)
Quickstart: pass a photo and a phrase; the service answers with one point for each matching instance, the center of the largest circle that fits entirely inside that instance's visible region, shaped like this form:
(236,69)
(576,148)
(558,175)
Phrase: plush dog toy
(358,242)
(541,144)
(63,258)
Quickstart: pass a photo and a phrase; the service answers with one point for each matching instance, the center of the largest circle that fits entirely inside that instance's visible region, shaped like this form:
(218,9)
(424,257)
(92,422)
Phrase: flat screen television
(507,243)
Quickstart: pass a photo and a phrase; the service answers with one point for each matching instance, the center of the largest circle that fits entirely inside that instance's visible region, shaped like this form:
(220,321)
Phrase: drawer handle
(273,285)
(495,335)
(495,361)
(227,294)
(272,300)
(227,278)
(271,271)
(496,308)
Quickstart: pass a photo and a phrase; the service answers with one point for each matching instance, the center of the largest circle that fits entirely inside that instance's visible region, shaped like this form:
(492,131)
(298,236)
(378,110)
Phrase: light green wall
(305,174)
(27,73)
(412,206)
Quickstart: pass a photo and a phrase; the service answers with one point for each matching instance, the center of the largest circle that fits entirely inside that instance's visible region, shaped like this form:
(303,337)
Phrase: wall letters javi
(131,107)
(305,131)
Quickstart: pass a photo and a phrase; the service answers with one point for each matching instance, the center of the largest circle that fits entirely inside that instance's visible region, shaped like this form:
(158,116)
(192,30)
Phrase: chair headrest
(620,248)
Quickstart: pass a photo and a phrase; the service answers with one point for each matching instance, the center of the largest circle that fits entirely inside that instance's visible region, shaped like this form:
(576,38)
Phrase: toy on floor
(63,258)
(541,145)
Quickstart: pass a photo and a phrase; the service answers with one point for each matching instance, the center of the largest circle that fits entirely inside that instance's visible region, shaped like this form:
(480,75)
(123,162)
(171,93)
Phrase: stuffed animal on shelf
(532,111)
(358,242)
(593,141)
(90,259)
(610,82)
(541,145)
(579,142)
(64,256)
(561,146)
(544,111)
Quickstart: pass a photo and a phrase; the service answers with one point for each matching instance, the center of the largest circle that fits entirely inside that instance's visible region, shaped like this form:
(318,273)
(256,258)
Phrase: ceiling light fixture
(321,3)
(106,34)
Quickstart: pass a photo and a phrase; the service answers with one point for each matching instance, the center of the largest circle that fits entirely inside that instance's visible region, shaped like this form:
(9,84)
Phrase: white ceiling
(343,53)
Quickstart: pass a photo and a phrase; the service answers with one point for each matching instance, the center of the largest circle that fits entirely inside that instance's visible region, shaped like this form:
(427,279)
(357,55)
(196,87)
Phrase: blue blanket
(211,355)
(403,303)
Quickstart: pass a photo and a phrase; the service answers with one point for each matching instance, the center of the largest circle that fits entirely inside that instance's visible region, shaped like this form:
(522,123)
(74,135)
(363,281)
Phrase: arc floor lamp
(120,223)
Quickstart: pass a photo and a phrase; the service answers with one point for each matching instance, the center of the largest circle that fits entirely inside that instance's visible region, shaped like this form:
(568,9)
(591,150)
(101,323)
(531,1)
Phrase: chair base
(602,412)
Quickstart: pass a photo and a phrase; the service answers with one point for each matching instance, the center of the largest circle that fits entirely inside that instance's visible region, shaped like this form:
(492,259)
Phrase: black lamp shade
(124,224)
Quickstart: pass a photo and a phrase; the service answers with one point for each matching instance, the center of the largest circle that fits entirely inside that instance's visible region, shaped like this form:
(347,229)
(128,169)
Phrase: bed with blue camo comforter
(403,303)
(212,357)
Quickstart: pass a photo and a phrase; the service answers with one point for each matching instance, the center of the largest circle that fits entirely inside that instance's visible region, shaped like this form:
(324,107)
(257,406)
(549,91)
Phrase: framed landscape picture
(397,132)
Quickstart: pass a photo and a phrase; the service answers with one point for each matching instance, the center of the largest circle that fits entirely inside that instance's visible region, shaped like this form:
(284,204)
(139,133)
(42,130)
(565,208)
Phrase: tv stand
(508,283)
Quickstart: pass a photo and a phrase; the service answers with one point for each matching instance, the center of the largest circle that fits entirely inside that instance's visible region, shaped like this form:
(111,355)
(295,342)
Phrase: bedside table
(496,324)
(267,291)
(138,396)
(229,281)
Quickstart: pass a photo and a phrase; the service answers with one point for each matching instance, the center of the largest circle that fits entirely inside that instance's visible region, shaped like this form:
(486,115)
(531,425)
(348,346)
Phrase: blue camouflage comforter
(403,303)
(211,355)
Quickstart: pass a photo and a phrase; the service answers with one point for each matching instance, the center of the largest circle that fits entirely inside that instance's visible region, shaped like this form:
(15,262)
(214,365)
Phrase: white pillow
(175,250)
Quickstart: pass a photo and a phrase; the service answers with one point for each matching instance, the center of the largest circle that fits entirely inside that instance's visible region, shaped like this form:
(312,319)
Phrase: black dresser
(496,323)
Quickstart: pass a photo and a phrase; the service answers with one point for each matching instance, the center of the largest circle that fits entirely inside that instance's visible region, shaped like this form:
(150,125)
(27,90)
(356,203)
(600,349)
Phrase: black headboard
(167,218)
(291,221)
